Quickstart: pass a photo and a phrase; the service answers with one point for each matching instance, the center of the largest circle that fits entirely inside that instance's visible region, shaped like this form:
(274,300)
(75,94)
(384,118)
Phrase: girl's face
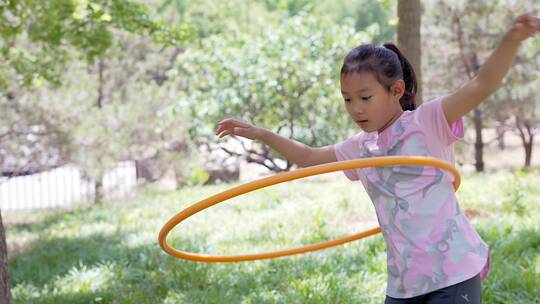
(369,104)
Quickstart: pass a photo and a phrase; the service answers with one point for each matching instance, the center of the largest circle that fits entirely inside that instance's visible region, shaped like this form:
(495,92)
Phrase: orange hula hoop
(284,177)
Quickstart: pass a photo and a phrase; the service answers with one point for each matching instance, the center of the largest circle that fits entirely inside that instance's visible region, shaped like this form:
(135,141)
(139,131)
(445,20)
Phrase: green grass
(109,253)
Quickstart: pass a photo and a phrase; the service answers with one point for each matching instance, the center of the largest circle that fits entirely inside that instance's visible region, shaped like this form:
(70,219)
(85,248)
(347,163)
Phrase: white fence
(62,187)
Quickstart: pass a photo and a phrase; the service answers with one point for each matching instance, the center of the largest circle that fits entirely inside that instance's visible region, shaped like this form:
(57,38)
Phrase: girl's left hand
(523,27)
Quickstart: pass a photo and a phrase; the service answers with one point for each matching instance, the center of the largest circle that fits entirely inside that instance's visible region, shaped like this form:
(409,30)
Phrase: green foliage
(214,17)
(135,122)
(30,135)
(375,16)
(45,44)
(515,197)
(197,176)
(109,253)
(286,79)
(39,37)
(138,123)
(361,14)
(291,7)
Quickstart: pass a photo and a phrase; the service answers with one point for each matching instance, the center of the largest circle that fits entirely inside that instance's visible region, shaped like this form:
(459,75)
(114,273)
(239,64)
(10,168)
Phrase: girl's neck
(391,121)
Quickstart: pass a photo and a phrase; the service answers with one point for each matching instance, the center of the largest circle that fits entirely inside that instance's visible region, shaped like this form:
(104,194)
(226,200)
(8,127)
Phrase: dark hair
(388,65)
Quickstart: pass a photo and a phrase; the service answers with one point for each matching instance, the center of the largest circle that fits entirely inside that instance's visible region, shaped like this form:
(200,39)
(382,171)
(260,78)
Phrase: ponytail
(407,101)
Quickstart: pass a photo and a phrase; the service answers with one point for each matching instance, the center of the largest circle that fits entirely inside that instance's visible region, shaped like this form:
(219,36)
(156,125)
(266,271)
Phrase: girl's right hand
(234,127)
(523,27)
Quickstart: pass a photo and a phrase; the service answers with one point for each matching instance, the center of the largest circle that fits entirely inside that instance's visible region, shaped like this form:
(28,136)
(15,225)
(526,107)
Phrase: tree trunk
(101,95)
(527,139)
(500,130)
(408,37)
(528,152)
(98,193)
(479,143)
(472,67)
(98,186)
(5,293)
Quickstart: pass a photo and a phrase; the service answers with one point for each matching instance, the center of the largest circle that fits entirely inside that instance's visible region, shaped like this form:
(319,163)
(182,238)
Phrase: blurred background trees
(457,39)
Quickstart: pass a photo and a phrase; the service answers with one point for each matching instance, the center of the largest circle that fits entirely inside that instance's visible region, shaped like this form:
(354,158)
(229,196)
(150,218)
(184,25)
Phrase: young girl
(433,253)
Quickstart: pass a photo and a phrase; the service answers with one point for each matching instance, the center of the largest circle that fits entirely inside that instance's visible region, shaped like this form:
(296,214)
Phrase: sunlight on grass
(85,279)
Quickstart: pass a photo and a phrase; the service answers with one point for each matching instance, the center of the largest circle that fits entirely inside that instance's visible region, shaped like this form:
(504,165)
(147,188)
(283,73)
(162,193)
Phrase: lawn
(109,253)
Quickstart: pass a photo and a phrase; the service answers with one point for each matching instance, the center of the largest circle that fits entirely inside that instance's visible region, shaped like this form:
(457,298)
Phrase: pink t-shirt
(430,243)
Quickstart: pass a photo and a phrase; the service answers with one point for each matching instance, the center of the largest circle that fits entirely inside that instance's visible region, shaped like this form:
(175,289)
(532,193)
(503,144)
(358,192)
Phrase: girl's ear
(398,88)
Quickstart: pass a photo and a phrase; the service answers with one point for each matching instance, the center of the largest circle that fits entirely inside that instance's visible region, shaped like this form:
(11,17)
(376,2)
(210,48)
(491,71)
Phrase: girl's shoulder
(431,119)
(430,105)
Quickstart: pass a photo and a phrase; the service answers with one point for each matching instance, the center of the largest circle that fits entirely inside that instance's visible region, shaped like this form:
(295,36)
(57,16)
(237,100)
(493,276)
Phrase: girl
(433,253)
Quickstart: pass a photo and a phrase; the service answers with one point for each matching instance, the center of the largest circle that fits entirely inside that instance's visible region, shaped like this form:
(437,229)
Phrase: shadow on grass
(28,221)
(145,274)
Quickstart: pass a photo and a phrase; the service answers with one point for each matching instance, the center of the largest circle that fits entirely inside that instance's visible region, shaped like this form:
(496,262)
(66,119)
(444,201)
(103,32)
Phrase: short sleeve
(430,117)
(348,150)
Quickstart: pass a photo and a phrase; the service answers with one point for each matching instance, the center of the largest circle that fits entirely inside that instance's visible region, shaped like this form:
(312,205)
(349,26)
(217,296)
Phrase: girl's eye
(366,98)
(347,100)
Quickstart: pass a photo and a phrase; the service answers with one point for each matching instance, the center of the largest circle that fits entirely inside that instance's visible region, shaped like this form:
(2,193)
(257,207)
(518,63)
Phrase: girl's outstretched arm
(294,151)
(492,72)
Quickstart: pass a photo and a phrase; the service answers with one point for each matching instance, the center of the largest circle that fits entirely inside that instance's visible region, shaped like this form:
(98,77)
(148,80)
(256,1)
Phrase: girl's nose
(357,107)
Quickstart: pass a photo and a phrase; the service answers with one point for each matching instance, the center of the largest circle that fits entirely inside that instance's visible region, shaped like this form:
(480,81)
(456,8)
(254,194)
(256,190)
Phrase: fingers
(234,131)
(222,133)
(224,125)
(528,20)
(229,129)
(523,27)
(534,22)
(227,132)
(523,18)
(230,126)
(232,121)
